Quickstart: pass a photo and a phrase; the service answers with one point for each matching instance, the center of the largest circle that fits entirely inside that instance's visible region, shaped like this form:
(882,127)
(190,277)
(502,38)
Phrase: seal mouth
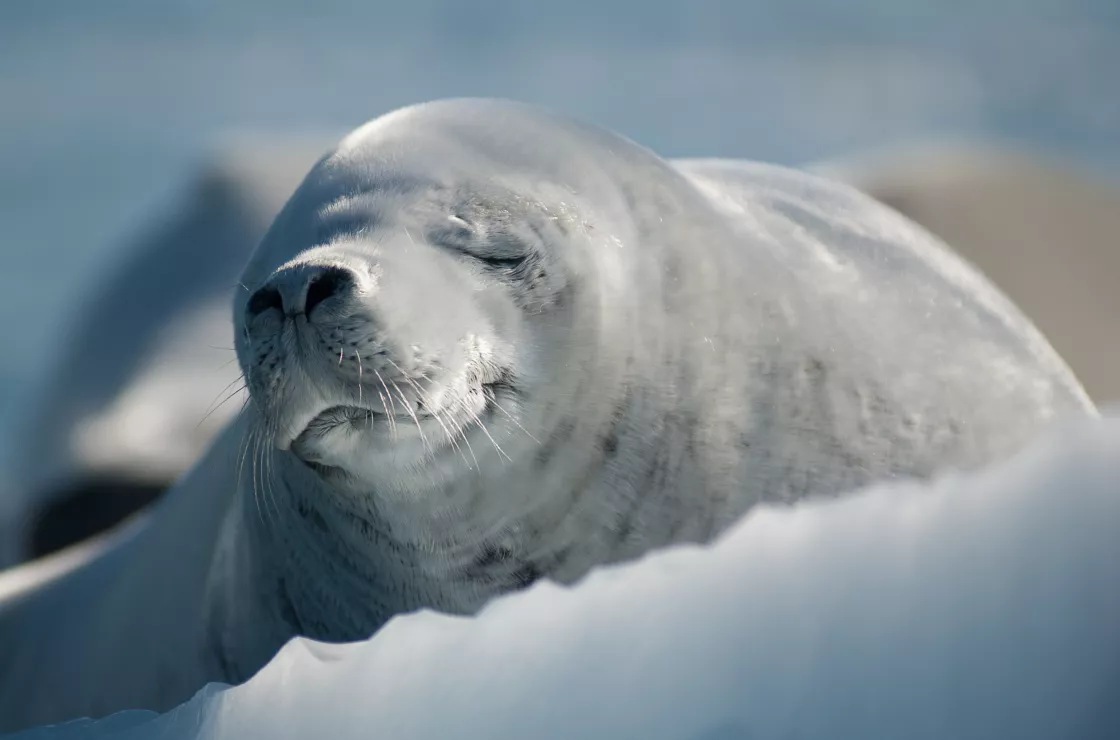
(357,418)
(390,419)
(337,416)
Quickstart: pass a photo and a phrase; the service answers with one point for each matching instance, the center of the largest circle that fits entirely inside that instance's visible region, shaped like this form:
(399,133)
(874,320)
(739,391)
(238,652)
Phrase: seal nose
(300,289)
(264,299)
(328,282)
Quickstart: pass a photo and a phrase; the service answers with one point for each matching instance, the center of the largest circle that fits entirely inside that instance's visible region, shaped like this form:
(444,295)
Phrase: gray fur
(686,341)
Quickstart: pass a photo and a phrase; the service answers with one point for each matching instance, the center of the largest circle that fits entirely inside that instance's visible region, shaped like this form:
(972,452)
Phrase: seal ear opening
(87,507)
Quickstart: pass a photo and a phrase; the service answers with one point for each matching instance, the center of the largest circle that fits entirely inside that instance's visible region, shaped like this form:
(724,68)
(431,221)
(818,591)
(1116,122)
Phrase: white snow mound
(985,606)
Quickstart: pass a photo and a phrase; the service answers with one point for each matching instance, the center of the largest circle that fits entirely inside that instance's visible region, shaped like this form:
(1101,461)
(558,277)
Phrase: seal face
(485,345)
(388,358)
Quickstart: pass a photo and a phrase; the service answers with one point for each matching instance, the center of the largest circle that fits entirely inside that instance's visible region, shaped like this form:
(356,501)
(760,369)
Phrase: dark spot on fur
(496,564)
(491,556)
(556,440)
(653,481)
(610,439)
(381,537)
(691,425)
(311,515)
(525,576)
(560,557)
(287,608)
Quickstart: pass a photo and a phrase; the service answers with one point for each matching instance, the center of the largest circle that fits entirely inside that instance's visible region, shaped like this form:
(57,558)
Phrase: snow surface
(977,607)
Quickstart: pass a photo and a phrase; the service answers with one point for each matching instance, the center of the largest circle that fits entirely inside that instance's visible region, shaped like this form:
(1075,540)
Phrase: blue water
(105,104)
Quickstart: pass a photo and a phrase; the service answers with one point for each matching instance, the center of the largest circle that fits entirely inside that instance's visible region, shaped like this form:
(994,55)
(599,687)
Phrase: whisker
(478,421)
(258,473)
(214,410)
(408,408)
(454,442)
(269,476)
(495,404)
(359,376)
(427,401)
(257,495)
(410,381)
(242,451)
(424,397)
(248,443)
(225,364)
(388,417)
(393,406)
(241,410)
(228,385)
(447,432)
(251,444)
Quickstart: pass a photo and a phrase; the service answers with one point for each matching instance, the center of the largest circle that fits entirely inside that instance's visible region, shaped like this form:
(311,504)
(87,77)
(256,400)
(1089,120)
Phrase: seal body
(485,344)
(1044,231)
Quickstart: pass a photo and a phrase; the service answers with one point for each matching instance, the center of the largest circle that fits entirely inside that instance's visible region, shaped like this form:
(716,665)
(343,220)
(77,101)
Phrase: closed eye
(462,235)
(501,263)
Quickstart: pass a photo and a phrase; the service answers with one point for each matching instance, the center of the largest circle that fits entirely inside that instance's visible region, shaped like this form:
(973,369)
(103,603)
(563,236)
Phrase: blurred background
(107,108)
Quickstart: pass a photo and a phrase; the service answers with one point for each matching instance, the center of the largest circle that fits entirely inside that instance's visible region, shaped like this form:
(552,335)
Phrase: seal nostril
(264,299)
(324,285)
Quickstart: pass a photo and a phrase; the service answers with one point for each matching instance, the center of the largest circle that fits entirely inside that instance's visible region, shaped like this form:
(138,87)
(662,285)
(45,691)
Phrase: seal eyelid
(464,238)
(455,232)
(502,254)
(502,263)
